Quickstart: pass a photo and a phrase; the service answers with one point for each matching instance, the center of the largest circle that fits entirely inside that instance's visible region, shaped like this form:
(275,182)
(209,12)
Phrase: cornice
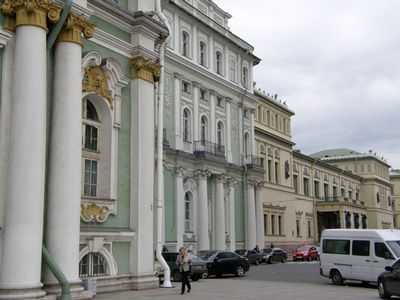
(5,36)
(110,42)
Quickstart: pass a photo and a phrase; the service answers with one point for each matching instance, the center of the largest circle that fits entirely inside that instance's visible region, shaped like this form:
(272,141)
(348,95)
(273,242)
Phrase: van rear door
(382,257)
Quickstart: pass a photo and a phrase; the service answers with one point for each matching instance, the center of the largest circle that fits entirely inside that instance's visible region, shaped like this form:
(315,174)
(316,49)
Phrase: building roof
(345,154)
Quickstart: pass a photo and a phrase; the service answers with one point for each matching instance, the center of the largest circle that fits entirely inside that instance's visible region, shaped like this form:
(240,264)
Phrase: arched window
(245,77)
(185,44)
(91,126)
(218,59)
(204,130)
(188,212)
(220,134)
(186,125)
(203,54)
(93,264)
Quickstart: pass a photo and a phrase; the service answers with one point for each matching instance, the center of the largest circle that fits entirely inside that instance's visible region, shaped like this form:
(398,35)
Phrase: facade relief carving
(95,80)
(95,212)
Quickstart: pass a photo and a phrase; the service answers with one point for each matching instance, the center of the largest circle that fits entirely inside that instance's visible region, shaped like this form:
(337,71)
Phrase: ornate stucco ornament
(95,80)
(94,213)
(30,13)
(145,69)
(74,27)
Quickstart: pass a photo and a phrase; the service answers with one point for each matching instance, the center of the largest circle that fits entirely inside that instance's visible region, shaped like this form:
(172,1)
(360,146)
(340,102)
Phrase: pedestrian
(272,245)
(256,249)
(184,261)
(164,248)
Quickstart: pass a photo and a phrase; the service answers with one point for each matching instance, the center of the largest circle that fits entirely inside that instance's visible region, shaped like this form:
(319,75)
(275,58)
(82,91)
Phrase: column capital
(213,93)
(30,13)
(196,84)
(219,177)
(251,182)
(179,171)
(202,173)
(231,181)
(145,69)
(228,100)
(260,183)
(178,76)
(73,27)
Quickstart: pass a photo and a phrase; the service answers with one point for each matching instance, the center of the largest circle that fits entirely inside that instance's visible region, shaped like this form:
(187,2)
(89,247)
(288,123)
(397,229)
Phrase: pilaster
(219,212)
(251,240)
(202,200)
(180,207)
(196,87)
(260,215)
(231,183)
(228,102)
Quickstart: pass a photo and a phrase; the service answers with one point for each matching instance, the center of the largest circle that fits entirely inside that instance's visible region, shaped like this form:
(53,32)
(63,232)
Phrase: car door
(382,257)
(361,260)
(232,262)
(392,280)
(222,263)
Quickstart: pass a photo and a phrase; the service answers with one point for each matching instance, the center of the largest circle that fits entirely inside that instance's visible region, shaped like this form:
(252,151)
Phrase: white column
(252,138)
(251,240)
(212,116)
(142,172)
(232,230)
(202,200)
(177,111)
(219,213)
(196,135)
(64,172)
(5,122)
(228,130)
(180,207)
(23,226)
(260,216)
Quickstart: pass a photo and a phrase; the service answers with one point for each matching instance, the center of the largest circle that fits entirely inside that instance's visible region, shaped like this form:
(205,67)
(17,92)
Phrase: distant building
(395,180)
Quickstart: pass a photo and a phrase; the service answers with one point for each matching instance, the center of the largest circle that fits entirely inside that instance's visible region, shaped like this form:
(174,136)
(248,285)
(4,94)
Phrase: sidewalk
(239,288)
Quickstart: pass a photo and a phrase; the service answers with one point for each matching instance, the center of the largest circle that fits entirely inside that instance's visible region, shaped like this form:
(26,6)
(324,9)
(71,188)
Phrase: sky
(336,63)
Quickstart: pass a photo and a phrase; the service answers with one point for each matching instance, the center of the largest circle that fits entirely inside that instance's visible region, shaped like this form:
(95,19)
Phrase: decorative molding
(94,210)
(179,171)
(145,69)
(95,80)
(178,76)
(299,213)
(30,13)
(219,177)
(73,28)
(202,173)
(189,184)
(5,36)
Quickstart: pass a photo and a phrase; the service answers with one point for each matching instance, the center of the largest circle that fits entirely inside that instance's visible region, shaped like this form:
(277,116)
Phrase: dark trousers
(185,280)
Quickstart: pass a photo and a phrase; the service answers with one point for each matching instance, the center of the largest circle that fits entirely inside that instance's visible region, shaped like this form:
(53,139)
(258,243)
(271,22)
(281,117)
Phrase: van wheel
(336,278)
(382,290)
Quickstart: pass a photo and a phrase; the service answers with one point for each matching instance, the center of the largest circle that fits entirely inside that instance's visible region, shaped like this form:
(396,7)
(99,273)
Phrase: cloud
(335,62)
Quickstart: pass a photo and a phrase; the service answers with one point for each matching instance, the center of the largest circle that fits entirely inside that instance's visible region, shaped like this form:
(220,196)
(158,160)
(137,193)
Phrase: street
(291,280)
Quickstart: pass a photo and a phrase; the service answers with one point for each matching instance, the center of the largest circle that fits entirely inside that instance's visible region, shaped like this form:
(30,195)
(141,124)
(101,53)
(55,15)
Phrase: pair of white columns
(20,272)
(254,216)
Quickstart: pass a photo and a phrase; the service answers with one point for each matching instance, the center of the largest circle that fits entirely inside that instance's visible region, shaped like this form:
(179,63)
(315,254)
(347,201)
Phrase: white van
(357,254)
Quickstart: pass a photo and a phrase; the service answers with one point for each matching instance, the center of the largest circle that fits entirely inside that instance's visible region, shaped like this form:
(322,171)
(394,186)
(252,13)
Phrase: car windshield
(303,248)
(205,254)
(196,258)
(395,246)
(241,252)
(266,251)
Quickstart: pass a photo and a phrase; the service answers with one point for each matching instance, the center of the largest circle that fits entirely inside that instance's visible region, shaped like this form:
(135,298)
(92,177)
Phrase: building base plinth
(10,294)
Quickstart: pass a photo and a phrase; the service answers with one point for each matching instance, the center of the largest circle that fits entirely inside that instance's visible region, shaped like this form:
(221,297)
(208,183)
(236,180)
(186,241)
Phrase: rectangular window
(336,246)
(187,215)
(91,136)
(334,193)
(186,87)
(90,182)
(298,228)
(277,179)
(280,225)
(316,189)
(220,101)
(305,185)
(203,95)
(265,224)
(269,170)
(350,195)
(295,184)
(309,228)
(360,248)
(326,191)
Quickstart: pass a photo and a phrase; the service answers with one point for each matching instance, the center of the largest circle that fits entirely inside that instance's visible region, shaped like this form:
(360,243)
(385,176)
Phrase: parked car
(389,281)
(319,252)
(252,255)
(224,262)
(306,252)
(270,255)
(199,266)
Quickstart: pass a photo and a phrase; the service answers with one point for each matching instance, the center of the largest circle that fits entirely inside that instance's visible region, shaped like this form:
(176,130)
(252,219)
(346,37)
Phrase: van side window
(336,246)
(360,248)
(382,251)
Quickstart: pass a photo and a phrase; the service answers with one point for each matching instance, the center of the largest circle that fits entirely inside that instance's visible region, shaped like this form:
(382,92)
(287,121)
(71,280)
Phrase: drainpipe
(160,149)
(53,267)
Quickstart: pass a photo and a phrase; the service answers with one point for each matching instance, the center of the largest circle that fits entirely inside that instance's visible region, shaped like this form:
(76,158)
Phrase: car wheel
(239,271)
(219,275)
(336,278)
(195,278)
(382,290)
(177,275)
(283,259)
(204,275)
(269,261)
(257,262)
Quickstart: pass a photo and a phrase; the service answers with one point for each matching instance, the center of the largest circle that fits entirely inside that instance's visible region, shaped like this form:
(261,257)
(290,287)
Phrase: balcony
(252,161)
(203,148)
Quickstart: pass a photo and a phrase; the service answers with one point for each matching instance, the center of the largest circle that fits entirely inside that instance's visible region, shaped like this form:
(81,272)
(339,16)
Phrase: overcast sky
(336,63)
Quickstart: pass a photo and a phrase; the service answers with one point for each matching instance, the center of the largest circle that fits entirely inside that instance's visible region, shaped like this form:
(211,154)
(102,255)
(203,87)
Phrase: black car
(198,268)
(270,255)
(389,281)
(252,255)
(224,262)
